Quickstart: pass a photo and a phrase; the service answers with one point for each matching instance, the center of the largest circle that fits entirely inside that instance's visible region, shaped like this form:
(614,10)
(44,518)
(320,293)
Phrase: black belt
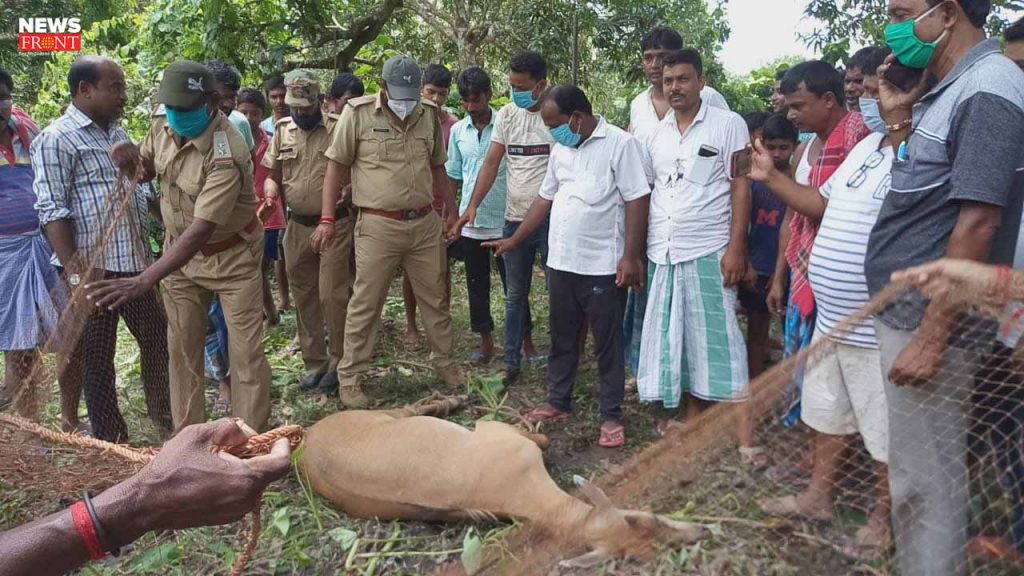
(313,221)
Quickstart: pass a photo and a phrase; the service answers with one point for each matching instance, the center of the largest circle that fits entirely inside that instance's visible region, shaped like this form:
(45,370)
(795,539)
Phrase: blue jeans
(519,275)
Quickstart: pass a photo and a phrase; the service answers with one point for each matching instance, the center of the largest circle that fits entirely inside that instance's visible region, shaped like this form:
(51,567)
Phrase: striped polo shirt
(836,271)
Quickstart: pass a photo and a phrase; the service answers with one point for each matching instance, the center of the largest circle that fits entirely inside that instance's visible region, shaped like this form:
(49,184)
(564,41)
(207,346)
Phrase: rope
(255,446)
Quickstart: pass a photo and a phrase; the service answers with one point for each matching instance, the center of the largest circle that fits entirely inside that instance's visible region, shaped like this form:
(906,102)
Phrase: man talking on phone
(697,246)
(957,180)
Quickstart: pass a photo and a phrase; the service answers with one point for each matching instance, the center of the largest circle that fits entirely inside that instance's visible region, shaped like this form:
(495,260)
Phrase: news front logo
(49,35)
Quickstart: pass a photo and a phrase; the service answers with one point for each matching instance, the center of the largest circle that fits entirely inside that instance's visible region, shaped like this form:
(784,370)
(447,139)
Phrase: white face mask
(402,108)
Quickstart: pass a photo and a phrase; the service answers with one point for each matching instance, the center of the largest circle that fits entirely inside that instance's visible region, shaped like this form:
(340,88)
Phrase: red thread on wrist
(87,530)
(1004,284)
(327,220)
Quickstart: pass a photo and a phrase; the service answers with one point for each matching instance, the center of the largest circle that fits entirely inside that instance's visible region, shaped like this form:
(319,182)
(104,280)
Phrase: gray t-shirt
(967,145)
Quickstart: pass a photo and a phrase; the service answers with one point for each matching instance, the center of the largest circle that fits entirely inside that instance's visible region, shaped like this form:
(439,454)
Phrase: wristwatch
(74,280)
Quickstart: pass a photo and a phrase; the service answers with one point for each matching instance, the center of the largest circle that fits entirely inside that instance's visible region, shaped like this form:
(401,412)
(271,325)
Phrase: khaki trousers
(321,286)
(234,275)
(382,245)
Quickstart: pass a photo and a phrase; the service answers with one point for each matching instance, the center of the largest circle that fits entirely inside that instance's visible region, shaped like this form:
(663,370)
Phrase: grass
(302,535)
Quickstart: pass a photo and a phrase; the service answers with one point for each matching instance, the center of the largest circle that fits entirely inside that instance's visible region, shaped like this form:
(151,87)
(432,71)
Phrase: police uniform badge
(222,149)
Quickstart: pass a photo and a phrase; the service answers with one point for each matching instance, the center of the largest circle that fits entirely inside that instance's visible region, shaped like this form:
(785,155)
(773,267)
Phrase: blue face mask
(565,136)
(188,123)
(872,115)
(523,99)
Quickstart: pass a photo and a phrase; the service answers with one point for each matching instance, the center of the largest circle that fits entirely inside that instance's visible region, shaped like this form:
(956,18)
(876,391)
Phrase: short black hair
(474,80)
(252,96)
(977,10)
(755,120)
(7,80)
(225,74)
(346,83)
(84,69)
(661,38)
(529,62)
(1015,32)
(818,76)
(857,59)
(437,75)
(685,56)
(871,58)
(778,127)
(569,98)
(780,73)
(273,83)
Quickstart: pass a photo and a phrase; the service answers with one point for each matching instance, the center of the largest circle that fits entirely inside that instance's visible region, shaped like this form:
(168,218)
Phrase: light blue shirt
(467,150)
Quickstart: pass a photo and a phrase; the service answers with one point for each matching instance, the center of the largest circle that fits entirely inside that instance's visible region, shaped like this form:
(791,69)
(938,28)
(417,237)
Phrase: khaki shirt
(209,178)
(391,164)
(299,155)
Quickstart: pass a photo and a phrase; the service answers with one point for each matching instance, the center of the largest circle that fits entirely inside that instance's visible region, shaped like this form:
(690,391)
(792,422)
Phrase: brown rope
(255,446)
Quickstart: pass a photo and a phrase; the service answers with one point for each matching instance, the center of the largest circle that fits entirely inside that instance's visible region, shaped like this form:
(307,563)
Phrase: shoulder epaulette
(160,110)
(222,148)
(362,100)
(284,120)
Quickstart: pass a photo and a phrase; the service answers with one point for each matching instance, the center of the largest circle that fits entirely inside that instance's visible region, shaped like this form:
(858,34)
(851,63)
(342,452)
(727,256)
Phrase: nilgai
(405,465)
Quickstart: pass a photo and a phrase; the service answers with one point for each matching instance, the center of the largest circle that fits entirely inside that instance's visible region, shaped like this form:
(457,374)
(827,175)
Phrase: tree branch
(432,14)
(359,34)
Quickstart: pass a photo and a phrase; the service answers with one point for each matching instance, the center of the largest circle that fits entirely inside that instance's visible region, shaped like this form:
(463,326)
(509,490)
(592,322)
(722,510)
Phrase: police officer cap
(403,77)
(302,88)
(185,84)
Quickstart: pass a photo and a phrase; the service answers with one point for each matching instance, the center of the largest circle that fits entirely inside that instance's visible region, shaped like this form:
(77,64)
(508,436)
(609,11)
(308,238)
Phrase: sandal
(753,457)
(613,436)
(789,507)
(868,544)
(545,413)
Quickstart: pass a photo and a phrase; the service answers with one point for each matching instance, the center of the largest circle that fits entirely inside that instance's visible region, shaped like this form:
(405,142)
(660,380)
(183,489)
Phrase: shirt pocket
(703,169)
(588,188)
(288,157)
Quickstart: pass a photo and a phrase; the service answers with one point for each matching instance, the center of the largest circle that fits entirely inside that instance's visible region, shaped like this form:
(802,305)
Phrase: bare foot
(412,338)
(800,506)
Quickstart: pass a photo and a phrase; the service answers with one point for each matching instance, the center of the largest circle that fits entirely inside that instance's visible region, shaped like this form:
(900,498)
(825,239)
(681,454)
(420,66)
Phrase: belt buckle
(410,214)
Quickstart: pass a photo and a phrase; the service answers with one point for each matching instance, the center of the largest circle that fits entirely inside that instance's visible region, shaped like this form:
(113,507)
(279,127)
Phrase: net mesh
(955,449)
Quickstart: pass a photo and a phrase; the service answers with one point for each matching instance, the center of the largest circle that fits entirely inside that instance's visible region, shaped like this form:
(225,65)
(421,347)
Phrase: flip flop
(613,437)
(867,545)
(537,359)
(545,413)
(788,507)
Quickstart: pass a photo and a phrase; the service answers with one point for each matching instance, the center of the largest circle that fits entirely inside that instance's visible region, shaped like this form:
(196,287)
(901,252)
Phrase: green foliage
(862,22)
(753,92)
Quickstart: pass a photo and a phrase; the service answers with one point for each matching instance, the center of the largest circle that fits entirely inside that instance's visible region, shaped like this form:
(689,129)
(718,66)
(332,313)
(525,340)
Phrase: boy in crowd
(344,87)
(596,193)
(766,215)
(468,146)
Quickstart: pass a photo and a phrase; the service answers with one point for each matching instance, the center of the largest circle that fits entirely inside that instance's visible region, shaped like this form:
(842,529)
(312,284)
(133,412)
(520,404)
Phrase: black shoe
(328,384)
(309,383)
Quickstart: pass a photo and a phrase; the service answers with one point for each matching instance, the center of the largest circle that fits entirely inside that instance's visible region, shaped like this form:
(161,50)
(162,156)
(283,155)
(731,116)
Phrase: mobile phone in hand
(742,161)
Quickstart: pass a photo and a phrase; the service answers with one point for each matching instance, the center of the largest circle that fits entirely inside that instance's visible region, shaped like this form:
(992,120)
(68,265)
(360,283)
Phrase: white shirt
(527,143)
(691,206)
(855,194)
(641,110)
(589,187)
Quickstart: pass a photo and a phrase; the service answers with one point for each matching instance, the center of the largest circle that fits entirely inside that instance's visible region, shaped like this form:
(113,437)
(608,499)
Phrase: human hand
(451,223)
(750,279)
(469,216)
(775,296)
(114,293)
(501,247)
(762,167)
(193,481)
(894,104)
(630,273)
(953,280)
(918,363)
(126,157)
(321,237)
(733,266)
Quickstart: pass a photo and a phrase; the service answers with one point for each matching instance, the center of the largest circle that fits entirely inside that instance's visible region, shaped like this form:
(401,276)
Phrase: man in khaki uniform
(321,283)
(214,244)
(389,147)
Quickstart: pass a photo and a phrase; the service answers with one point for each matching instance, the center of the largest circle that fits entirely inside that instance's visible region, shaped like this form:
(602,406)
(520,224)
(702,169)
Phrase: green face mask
(910,50)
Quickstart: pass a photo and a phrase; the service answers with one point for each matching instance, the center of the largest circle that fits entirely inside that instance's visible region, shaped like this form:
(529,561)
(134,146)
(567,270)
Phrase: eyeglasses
(873,161)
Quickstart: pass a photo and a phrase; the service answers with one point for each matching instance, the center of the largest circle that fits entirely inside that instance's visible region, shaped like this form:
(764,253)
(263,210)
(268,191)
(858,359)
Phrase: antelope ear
(592,493)
(589,560)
